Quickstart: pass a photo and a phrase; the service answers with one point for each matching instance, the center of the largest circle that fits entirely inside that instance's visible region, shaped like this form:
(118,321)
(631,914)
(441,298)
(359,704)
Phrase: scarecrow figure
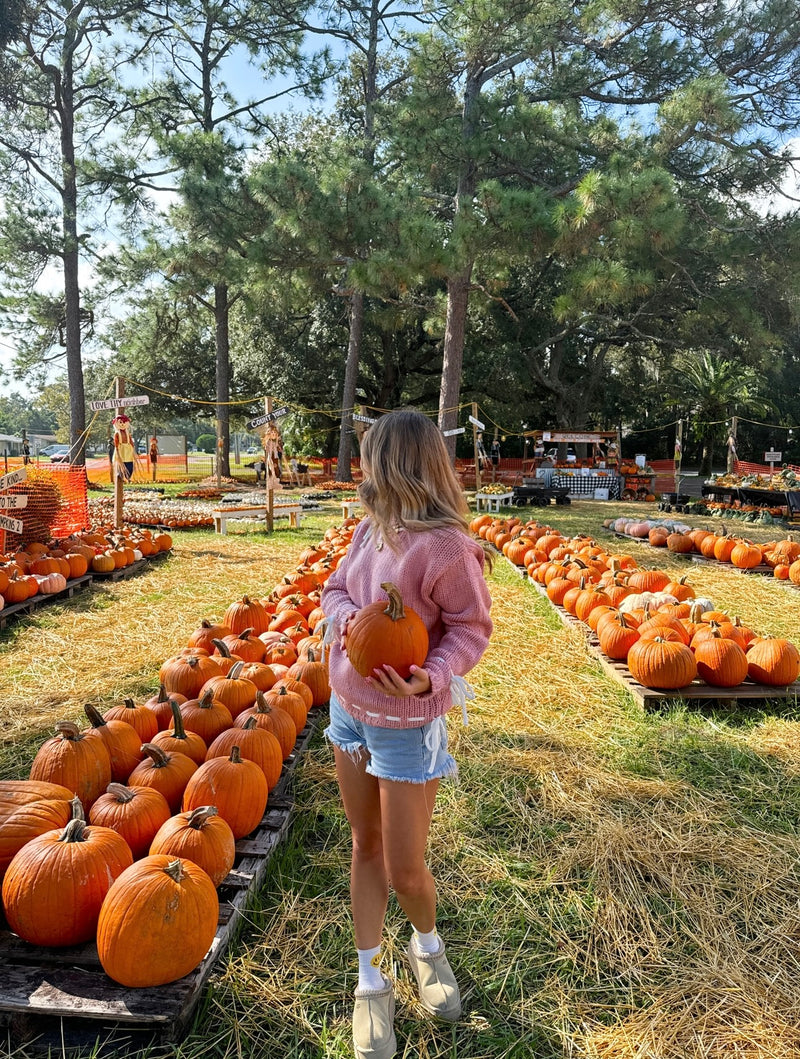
(124,450)
(273,454)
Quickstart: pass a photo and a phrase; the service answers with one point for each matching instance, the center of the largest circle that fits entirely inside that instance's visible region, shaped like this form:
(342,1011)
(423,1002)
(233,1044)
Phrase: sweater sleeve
(463,596)
(335,600)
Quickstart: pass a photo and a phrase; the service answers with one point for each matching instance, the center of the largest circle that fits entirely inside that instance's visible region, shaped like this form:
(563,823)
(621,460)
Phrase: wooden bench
(349,506)
(257,512)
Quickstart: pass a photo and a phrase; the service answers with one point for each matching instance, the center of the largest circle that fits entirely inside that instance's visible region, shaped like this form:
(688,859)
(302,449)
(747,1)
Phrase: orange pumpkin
(157,922)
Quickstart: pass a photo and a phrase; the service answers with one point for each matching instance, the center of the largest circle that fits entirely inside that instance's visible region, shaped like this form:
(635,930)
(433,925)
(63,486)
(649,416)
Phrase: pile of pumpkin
(647,618)
(153,511)
(783,555)
(125,829)
(45,570)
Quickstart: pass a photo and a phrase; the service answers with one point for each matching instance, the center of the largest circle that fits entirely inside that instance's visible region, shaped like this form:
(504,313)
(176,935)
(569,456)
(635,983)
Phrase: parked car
(57,453)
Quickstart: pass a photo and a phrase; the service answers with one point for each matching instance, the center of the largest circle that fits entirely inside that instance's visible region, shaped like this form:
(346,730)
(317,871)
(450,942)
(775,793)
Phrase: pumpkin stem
(222,647)
(175,871)
(94,715)
(198,817)
(235,756)
(74,830)
(130,704)
(250,724)
(178,731)
(156,754)
(395,609)
(261,704)
(77,809)
(163,694)
(206,700)
(68,730)
(235,670)
(120,792)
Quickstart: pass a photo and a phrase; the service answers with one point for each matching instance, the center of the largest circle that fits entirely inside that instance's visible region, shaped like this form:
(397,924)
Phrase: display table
(585,484)
(257,512)
(760,497)
(493,501)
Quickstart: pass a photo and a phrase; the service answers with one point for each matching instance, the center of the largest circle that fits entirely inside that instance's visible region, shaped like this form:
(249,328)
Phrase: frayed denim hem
(353,750)
(449,771)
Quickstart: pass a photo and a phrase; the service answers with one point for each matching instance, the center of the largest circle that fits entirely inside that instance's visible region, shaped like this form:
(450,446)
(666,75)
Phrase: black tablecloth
(585,484)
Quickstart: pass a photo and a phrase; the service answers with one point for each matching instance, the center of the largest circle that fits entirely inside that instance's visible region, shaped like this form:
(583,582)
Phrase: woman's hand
(345,623)
(390,682)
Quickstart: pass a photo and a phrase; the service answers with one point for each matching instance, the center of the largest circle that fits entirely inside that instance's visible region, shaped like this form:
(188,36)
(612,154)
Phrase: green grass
(614,883)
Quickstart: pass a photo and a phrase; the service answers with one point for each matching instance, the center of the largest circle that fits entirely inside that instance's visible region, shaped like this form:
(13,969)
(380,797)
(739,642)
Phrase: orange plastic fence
(745,467)
(57,505)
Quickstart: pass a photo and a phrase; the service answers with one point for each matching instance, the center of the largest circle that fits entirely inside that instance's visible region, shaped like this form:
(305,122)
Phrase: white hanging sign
(119,402)
(15,501)
(363,419)
(13,525)
(450,433)
(14,478)
(268,417)
(477,422)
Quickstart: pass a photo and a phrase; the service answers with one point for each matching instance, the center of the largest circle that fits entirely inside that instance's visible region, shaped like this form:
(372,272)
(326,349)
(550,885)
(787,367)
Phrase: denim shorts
(405,755)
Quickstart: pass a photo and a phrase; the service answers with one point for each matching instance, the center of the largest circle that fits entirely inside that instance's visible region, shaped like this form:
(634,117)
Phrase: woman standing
(389,734)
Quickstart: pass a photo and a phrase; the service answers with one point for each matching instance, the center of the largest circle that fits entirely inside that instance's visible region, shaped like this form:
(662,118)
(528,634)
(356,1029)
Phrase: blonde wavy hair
(409,481)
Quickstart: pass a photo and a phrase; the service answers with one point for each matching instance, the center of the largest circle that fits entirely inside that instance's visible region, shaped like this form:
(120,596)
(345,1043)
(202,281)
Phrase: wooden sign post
(271,438)
(477,427)
(119,481)
(119,400)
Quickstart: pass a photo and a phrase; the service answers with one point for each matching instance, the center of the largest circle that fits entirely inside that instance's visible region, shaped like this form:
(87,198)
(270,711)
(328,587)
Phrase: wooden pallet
(696,692)
(131,570)
(48,996)
(28,606)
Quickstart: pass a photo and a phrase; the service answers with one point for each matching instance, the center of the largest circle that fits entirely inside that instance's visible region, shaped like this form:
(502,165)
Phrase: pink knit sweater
(439,574)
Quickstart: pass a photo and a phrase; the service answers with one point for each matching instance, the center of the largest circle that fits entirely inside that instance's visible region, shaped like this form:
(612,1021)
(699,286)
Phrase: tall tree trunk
(458,284)
(343,471)
(72,294)
(450,389)
(221,321)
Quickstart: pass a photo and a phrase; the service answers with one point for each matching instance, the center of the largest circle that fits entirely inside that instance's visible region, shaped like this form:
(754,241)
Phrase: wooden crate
(50,996)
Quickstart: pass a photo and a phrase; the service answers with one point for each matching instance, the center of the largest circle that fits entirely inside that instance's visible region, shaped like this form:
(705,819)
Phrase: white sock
(369,969)
(426,942)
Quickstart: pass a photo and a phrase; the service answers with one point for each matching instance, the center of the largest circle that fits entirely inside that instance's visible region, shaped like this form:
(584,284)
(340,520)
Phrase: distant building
(10,445)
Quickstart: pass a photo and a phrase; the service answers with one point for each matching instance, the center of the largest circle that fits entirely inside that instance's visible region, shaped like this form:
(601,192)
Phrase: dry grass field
(614,884)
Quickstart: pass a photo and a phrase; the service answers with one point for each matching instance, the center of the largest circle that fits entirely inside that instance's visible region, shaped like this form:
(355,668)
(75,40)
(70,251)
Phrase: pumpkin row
(212,750)
(43,569)
(782,556)
(647,618)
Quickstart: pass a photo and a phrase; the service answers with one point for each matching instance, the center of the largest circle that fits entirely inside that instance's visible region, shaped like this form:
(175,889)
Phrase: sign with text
(477,423)
(15,502)
(119,402)
(268,417)
(773,457)
(13,525)
(579,436)
(7,480)
(363,419)
(450,433)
